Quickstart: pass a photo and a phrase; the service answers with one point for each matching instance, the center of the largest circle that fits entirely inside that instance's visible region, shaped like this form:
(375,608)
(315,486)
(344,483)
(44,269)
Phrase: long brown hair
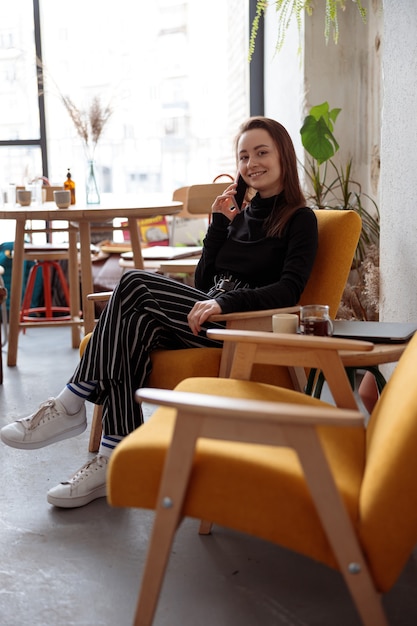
(294,196)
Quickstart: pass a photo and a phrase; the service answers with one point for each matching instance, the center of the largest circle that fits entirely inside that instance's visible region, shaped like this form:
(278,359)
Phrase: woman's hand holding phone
(235,193)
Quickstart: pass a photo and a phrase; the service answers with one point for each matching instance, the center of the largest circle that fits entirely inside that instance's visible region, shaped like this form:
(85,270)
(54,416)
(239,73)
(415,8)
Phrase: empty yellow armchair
(283,466)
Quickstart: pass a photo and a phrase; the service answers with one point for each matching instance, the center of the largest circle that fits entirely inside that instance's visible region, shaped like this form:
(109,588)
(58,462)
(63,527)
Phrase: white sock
(74,395)
(108,444)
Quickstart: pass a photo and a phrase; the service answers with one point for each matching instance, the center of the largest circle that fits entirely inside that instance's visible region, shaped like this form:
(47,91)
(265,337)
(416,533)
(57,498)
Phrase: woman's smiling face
(259,162)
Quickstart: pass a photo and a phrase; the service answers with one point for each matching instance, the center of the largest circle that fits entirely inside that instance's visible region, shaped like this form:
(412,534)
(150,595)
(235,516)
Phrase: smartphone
(240,192)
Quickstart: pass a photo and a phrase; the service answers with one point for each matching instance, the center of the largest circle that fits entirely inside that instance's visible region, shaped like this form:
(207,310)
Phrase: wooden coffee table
(370,361)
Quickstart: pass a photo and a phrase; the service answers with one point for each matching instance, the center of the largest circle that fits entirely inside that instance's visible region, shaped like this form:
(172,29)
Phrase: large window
(163,67)
(20,114)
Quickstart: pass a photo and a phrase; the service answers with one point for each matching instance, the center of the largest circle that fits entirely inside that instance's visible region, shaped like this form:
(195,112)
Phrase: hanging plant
(287,10)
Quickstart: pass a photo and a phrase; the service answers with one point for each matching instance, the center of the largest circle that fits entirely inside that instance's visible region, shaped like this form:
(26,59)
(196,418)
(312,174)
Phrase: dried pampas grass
(89,123)
(360,299)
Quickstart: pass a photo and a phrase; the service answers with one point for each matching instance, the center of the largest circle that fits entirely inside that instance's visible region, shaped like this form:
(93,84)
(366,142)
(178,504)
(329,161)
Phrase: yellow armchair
(338,235)
(282,466)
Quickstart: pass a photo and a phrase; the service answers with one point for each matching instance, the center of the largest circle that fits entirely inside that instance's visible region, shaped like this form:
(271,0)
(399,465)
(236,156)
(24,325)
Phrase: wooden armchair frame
(202,416)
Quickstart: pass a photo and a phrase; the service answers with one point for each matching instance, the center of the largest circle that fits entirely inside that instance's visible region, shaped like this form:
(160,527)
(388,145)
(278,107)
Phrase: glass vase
(91,190)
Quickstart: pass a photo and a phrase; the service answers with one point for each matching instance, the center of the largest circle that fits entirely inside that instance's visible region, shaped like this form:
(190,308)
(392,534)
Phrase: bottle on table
(69,184)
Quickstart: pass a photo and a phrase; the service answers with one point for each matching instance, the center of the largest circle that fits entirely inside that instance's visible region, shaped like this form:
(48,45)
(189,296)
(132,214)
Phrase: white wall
(348,76)
(398,186)
(392,108)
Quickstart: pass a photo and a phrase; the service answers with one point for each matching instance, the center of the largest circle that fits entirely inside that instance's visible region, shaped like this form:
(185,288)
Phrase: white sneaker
(87,484)
(49,424)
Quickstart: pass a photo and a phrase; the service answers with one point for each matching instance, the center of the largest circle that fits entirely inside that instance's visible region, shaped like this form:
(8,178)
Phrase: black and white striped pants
(146,312)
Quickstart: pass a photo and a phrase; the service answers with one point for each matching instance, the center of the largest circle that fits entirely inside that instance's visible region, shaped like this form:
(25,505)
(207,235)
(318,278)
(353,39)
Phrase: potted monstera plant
(330,185)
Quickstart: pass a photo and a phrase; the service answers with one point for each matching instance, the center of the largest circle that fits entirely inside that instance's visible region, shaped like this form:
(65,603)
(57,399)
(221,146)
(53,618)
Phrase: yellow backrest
(388,500)
(339,233)
(338,236)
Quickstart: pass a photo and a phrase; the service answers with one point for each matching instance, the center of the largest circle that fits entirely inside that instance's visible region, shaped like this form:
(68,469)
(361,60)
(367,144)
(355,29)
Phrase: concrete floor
(82,567)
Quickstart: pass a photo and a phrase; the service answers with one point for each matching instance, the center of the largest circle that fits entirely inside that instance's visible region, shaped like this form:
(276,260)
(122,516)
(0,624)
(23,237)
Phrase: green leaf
(333,114)
(322,110)
(318,139)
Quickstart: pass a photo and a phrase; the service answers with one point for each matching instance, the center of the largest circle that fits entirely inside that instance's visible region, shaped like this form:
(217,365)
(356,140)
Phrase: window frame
(41,142)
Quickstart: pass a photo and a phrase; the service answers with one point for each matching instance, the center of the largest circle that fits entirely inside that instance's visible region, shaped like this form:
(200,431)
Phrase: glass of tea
(315,320)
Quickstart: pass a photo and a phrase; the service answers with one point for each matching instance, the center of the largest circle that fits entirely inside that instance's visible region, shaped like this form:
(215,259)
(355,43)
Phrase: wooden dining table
(78,219)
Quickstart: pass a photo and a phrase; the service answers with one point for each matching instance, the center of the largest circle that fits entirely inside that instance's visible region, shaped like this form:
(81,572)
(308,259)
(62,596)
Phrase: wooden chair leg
(205,527)
(338,526)
(96,428)
(168,516)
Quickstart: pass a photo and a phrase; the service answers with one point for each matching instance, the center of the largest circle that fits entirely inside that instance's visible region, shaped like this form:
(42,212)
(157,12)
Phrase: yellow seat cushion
(170,367)
(255,489)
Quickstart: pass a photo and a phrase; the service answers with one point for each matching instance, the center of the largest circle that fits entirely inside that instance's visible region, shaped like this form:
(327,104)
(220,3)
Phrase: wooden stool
(45,261)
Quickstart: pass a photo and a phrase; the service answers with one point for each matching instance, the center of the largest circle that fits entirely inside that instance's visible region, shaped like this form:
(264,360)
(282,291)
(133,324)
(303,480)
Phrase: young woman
(253,259)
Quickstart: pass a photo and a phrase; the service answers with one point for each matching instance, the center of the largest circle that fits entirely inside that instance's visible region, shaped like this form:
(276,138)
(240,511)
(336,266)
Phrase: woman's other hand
(200,312)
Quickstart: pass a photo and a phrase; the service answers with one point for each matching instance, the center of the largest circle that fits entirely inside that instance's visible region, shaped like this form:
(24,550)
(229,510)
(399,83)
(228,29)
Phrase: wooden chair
(282,466)
(49,191)
(338,237)
(197,201)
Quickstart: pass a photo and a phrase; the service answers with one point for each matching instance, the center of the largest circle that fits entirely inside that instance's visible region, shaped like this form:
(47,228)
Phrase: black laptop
(377,332)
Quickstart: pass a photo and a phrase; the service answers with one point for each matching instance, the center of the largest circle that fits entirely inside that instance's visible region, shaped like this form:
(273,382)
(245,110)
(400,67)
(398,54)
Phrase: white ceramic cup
(11,194)
(24,197)
(284,323)
(62,198)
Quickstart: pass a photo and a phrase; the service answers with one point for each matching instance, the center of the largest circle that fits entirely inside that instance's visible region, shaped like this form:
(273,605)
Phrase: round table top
(125,206)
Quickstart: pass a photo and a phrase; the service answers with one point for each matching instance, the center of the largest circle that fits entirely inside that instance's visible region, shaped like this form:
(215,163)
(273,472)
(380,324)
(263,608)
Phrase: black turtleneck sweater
(276,268)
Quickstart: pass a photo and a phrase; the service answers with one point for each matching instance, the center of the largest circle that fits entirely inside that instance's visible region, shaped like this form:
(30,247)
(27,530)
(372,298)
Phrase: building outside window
(20,148)
(174,73)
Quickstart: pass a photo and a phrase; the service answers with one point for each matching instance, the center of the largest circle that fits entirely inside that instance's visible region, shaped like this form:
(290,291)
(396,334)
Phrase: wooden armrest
(246,315)
(290,340)
(229,318)
(101,296)
(250,410)
(247,348)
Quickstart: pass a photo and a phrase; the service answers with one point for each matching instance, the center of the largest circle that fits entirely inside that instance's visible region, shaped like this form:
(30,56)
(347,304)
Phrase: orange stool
(50,313)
